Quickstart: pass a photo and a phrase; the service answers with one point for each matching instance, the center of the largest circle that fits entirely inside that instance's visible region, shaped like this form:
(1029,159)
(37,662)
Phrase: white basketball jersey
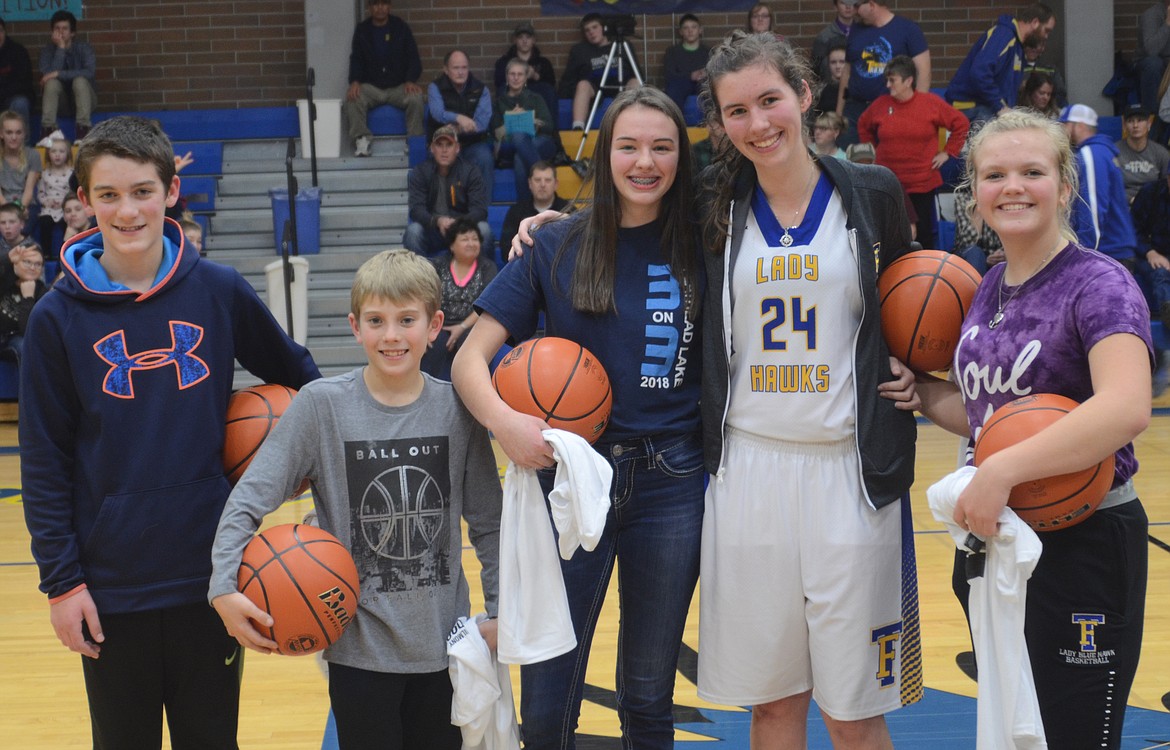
(796,310)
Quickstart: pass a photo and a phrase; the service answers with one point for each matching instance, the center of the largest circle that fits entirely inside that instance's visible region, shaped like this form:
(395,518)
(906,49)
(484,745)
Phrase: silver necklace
(786,238)
(998,317)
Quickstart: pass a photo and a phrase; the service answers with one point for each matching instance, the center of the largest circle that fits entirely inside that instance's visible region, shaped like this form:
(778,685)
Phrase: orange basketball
(306,580)
(251,415)
(1055,502)
(559,381)
(924,296)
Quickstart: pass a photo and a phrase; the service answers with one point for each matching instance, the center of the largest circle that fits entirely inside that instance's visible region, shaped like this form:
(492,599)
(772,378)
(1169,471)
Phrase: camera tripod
(620,49)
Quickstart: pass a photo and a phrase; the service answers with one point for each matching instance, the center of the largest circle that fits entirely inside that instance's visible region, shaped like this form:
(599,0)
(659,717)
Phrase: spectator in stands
(12,235)
(1033,50)
(16,82)
(1153,52)
(759,20)
(525,141)
(542,196)
(440,190)
(1108,228)
(1151,219)
(988,80)
(76,221)
(384,68)
(975,241)
(837,32)
(20,167)
(860,153)
(193,234)
(542,80)
(68,69)
(460,99)
(905,125)
(831,91)
(586,65)
(685,64)
(884,36)
(1141,160)
(17,297)
(826,131)
(1039,93)
(52,189)
(464,272)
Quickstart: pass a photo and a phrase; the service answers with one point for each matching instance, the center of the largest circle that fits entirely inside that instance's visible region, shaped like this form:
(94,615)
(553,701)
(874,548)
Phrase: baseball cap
(524,28)
(447,131)
(858,151)
(1081,113)
(1136,110)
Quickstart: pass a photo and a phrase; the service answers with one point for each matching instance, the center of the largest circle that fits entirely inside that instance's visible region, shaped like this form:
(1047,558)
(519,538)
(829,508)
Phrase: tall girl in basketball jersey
(624,279)
(1056,317)
(807,546)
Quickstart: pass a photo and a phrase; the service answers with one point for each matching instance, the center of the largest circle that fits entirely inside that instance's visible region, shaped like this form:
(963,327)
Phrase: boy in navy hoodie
(125,381)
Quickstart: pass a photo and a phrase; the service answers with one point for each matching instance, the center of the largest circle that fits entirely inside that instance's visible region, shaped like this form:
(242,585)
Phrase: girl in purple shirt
(1056,317)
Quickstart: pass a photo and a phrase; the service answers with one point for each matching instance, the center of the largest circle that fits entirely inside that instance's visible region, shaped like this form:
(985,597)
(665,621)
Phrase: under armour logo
(185,339)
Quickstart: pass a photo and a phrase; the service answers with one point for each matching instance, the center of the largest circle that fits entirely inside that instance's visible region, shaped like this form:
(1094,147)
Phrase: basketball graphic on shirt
(402,513)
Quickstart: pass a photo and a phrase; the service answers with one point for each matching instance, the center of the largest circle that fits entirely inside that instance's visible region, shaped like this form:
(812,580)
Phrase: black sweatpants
(179,659)
(384,711)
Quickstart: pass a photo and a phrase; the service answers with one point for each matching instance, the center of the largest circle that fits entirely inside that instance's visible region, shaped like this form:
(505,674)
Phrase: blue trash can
(308,218)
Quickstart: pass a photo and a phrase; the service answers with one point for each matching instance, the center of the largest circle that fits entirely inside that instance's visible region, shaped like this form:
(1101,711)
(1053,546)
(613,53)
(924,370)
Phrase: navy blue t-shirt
(870,49)
(649,348)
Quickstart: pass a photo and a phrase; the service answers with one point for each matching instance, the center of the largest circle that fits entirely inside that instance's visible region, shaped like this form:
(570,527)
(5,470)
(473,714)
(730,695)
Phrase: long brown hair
(737,52)
(596,231)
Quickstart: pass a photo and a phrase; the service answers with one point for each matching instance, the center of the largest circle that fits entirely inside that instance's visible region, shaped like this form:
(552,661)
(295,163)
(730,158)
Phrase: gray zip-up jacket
(879,233)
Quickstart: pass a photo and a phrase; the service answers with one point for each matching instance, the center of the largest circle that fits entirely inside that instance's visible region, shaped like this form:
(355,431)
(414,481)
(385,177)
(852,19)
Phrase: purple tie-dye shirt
(1042,345)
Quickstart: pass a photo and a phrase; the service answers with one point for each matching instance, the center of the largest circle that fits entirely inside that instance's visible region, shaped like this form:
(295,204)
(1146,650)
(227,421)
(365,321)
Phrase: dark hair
(64,15)
(590,18)
(738,51)
(757,6)
(460,226)
(1035,12)
(447,57)
(595,233)
(11,208)
(902,65)
(688,17)
(126,137)
(1032,84)
(3,25)
(542,164)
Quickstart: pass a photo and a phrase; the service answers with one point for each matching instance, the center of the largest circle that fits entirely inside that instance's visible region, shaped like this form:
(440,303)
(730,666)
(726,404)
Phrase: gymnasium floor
(285,706)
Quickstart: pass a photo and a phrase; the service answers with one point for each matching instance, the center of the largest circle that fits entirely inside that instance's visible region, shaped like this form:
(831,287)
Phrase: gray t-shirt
(1141,167)
(12,179)
(391,483)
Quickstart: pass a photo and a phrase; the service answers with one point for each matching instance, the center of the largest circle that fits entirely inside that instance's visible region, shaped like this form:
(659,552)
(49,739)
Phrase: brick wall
(160,54)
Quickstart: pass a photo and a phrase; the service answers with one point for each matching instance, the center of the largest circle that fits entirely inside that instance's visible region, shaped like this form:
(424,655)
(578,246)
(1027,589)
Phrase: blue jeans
(428,241)
(1154,283)
(525,151)
(653,528)
(483,156)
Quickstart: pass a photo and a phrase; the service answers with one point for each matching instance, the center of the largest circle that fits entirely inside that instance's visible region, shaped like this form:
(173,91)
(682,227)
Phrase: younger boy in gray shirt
(395,461)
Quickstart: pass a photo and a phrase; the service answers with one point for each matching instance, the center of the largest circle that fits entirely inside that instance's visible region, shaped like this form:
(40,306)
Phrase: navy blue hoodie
(123,398)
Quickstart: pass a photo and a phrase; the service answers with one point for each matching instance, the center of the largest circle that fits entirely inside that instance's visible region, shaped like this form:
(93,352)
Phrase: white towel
(1008,714)
(482,706)
(535,624)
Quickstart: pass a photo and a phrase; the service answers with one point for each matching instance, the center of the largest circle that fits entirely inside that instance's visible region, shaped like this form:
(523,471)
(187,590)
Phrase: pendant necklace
(998,317)
(786,238)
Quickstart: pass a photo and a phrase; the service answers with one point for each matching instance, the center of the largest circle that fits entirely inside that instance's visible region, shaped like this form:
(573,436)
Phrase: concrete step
(259,182)
(333,198)
(277,150)
(332,218)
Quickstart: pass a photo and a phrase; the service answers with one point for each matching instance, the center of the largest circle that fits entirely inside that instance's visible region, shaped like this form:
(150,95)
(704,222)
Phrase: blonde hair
(1023,118)
(397,275)
(13,115)
(831,120)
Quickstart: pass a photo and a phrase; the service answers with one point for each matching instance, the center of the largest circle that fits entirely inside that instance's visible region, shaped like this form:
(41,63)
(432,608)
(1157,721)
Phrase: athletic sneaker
(361,147)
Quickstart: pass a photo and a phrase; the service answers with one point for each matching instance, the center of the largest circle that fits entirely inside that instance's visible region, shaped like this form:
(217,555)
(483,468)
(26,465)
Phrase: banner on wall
(639,7)
(36,10)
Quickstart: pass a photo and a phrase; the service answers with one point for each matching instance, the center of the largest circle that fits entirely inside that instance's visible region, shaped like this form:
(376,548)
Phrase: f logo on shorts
(886,638)
(189,369)
(1088,625)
